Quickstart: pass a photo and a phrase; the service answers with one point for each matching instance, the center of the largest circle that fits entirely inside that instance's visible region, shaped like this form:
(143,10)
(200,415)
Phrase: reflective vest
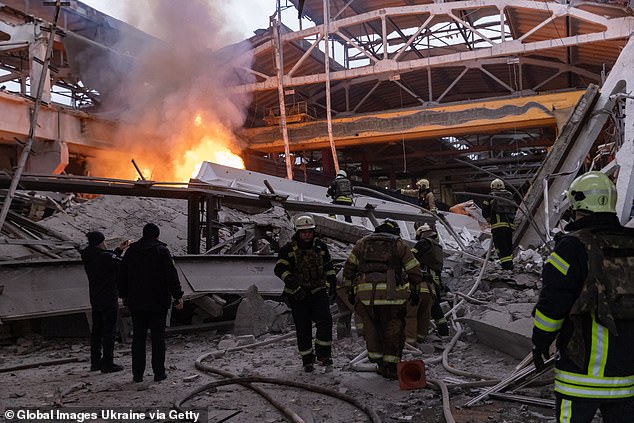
(380,280)
(309,267)
(343,188)
(503,207)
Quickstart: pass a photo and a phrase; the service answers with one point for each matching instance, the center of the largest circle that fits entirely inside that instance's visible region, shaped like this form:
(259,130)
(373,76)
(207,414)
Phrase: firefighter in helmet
(426,198)
(374,275)
(587,304)
(340,190)
(429,253)
(499,210)
(305,267)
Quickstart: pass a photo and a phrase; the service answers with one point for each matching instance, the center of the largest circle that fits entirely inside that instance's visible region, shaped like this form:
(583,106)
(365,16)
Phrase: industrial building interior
(104,126)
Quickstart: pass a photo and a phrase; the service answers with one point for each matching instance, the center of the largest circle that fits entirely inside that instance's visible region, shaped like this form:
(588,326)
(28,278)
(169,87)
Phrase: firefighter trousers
(417,319)
(314,308)
(582,410)
(384,331)
(503,242)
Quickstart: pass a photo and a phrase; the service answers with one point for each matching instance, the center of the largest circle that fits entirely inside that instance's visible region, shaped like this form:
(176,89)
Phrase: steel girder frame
(385,64)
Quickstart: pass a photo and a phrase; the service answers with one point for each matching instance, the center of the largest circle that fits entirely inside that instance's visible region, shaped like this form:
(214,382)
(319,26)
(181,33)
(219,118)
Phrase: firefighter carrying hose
(587,303)
(305,267)
(500,212)
(374,275)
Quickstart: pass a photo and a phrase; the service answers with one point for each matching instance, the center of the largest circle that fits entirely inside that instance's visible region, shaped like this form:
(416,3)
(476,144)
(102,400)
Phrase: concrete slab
(498,331)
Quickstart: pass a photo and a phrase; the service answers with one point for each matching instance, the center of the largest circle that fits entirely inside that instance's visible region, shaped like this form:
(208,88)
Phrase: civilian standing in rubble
(305,267)
(374,275)
(429,253)
(102,268)
(425,195)
(587,303)
(340,190)
(148,283)
(499,210)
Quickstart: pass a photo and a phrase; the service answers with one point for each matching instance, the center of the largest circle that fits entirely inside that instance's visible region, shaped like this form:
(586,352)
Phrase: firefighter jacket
(376,268)
(586,302)
(340,190)
(426,198)
(305,265)
(500,214)
(430,256)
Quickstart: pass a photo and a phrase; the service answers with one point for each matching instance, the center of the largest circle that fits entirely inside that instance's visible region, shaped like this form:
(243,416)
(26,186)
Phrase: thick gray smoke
(159,89)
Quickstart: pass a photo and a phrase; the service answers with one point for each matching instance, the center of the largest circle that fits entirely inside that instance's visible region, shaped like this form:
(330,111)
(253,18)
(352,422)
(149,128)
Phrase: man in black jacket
(102,267)
(148,283)
(587,305)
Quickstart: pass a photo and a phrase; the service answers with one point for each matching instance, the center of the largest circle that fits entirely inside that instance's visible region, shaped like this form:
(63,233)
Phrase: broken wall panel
(58,287)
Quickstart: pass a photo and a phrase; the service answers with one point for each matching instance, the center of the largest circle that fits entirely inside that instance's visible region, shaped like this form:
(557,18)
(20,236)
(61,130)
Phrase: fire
(176,158)
(210,150)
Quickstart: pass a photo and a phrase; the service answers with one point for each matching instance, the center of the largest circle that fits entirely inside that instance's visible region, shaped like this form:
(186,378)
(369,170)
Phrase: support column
(37,54)
(327,165)
(392,179)
(212,205)
(193,224)
(365,172)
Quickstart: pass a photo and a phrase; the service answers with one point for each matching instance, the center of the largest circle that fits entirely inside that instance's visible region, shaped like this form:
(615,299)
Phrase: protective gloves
(414,297)
(299,294)
(332,289)
(539,357)
(351,298)
(541,346)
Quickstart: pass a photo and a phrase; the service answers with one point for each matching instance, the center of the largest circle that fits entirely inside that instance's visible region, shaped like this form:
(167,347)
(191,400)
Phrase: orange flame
(177,160)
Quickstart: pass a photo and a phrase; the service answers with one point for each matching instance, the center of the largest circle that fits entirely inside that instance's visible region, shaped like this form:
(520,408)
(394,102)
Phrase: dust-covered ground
(73,387)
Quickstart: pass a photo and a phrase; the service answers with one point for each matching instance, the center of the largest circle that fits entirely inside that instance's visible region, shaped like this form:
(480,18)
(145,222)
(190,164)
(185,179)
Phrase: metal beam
(611,29)
(419,123)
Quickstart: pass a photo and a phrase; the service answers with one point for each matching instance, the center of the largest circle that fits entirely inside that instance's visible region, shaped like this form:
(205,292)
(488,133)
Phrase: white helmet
(342,173)
(497,183)
(423,184)
(304,222)
(424,231)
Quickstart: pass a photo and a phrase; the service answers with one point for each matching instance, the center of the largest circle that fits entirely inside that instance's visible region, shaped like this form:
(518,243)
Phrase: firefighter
(587,303)
(305,267)
(499,210)
(426,198)
(340,190)
(374,275)
(428,252)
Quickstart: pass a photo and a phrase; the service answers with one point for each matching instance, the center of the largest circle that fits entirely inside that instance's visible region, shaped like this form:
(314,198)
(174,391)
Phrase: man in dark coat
(148,283)
(102,267)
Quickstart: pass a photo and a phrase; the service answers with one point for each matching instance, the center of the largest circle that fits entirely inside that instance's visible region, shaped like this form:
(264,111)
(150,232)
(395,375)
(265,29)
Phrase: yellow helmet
(497,183)
(304,222)
(423,183)
(592,191)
